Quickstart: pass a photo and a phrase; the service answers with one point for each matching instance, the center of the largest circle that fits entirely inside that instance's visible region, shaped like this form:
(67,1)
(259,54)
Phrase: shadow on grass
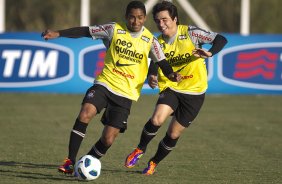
(27,165)
(27,170)
(121,171)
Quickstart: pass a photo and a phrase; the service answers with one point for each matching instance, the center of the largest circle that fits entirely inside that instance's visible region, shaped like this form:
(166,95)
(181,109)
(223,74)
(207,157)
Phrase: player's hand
(201,53)
(49,34)
(174,76)
(153,81)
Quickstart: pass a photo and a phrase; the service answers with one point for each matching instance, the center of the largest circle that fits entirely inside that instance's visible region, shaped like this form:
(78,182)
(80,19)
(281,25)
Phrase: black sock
(76,137)
(99,149)
(148,133)
(165,147)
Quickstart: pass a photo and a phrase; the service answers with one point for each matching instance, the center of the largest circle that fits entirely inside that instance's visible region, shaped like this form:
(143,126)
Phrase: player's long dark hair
(166,5)
(135,5)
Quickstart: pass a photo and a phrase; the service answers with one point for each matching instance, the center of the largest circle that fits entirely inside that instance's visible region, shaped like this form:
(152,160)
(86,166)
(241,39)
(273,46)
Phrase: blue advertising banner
(247,65)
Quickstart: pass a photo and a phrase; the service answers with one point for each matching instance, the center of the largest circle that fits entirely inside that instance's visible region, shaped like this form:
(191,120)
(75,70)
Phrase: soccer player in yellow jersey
(129,45)
(183,101)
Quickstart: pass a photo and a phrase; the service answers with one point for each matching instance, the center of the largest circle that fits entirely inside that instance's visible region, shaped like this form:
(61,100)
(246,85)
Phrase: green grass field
(235,139)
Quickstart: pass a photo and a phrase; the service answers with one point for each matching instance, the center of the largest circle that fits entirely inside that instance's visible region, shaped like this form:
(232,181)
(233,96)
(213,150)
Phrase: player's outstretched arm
(75,32)
(217,45)
(201,53)
(49,34)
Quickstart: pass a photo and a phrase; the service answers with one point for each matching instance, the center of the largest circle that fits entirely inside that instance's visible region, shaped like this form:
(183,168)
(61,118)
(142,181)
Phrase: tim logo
(253,66)
(26,63)
(91,62)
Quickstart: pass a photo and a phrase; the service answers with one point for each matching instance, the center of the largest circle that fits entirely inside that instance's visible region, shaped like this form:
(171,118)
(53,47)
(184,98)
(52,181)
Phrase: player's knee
(108,141)
(86,114)
(157,120)
(85,117)
(174,135)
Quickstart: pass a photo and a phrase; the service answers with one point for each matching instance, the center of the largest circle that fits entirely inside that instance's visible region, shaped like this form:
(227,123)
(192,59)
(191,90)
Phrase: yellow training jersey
(179,55)
(126,62)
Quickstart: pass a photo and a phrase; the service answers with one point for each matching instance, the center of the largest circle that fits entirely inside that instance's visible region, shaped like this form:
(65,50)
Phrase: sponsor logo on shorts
(162,95)
(90,94)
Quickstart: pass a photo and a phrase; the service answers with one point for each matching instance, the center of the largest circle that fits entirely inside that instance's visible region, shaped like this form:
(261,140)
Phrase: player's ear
(175,19)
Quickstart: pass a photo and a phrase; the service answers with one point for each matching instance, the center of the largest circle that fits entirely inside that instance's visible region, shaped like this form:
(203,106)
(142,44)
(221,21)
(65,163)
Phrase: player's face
(166,24)
(135,20)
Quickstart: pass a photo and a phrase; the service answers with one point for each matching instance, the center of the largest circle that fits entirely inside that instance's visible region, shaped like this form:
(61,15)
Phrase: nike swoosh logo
(181,68)
(121,64)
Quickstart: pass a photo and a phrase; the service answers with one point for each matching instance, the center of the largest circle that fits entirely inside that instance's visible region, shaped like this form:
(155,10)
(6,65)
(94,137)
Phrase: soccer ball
(88,168)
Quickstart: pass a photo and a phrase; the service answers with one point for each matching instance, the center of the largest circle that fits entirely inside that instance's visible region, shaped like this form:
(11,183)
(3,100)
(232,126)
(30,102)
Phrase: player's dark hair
(135,5)
(166,5)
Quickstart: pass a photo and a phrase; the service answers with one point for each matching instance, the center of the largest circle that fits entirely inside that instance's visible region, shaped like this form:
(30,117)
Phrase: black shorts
(186,107)
(117,108)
